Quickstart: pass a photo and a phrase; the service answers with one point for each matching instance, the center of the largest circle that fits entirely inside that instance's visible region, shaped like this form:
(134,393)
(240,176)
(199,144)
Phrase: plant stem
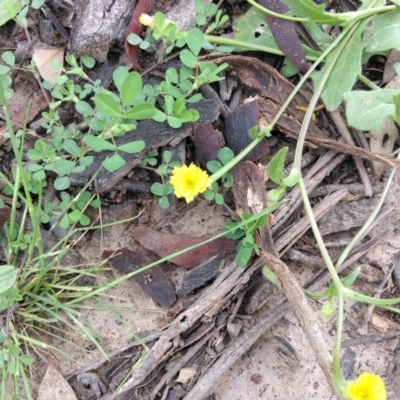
(246,45)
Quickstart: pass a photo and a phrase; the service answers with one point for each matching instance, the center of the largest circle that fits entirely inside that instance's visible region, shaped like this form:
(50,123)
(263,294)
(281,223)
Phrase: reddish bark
(133,52)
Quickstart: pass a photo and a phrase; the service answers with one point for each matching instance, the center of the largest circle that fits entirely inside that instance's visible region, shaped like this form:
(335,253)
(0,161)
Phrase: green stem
(369,221)
(367,82)
(327,18)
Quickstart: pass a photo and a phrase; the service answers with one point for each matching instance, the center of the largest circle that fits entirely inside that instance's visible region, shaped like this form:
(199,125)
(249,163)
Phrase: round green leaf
(62,183)
(188,58)
(8,58)
(163,202)
(106,104)
(174,122)
(157,189)
(88,61)
(225,155)
(113,163)
(194,40)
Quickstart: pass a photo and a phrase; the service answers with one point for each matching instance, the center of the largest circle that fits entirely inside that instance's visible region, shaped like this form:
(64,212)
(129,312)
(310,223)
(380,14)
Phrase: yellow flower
(189,181)
(146,20)
(367,387)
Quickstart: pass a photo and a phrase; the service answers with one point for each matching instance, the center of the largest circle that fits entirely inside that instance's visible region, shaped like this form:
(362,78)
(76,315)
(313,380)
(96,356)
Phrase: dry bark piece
(153,282)
(206,142)
(4,214)
(164,244)
(133,52)
(273,90)
(97,25)
(285,35)
(237,126)
(199,276)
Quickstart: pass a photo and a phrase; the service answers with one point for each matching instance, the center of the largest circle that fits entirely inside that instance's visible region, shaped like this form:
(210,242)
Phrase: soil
(280,364)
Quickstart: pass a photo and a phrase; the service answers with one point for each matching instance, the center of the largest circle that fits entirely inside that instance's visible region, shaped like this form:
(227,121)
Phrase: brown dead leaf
(55,387)
(44,57)
(164,244)
(133,52)
(285,35)
(153,282)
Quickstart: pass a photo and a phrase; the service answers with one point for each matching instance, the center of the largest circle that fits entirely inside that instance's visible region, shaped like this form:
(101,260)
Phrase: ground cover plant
(33,288)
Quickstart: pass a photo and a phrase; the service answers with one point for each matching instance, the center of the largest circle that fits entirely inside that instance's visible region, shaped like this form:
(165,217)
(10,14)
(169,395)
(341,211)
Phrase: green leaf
(4,69)
(140,111)
(243,256)
(344,73)
(209,195)
(84,108)
(106,104)
(113,163)
(268,274)
(132,147)
(211,10)
(225,155)
(167,156)
(195,98)
(366,109)
(219,199)
(9,58)
(157,189)
(277,165)
(63,167)
(350,279)
(131,88)
(8,276)
(174,122)
(214,166)
(188,58)
(86,161)
(134,40)
(383,33)
(71,147)
(163,202)
(88,62)
(119,76)
(194,40)
(252,27)
(159,116)
(98,144)
(8,10)
(62,183)
(26,360)
(200,6)
(172,75)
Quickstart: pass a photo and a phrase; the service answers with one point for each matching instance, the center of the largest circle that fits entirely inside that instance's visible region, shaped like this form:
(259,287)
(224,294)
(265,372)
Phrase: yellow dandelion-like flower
(189,181)
(367,387)
(146,20)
